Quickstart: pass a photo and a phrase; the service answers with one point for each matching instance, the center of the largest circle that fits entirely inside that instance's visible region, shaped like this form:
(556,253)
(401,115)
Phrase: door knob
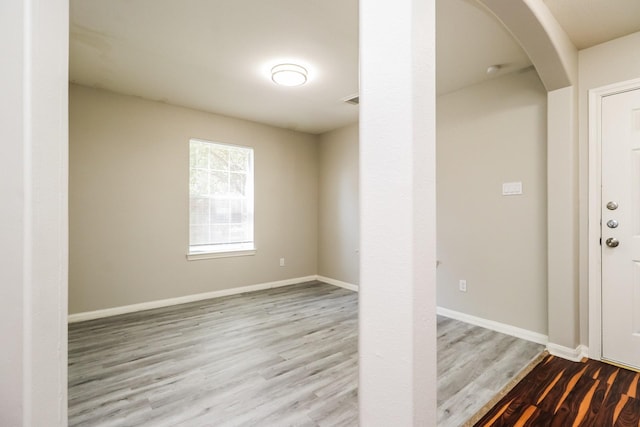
(612,206)
(611,242)
(612,223)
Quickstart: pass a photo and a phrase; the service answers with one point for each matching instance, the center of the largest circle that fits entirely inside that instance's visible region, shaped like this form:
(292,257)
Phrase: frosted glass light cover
(289,75)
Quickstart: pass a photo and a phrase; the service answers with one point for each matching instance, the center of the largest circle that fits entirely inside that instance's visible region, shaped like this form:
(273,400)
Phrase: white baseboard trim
(338,283)
(108,312)
(503,328)
(574,354)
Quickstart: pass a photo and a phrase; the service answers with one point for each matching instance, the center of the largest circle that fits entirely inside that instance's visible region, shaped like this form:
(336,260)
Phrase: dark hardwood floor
(562,393)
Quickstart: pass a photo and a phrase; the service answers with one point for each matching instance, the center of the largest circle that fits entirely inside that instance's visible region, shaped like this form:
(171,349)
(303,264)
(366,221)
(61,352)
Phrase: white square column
(33,217)
(397,202)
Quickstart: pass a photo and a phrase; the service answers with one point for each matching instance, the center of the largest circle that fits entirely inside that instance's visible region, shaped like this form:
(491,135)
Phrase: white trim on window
(221,251)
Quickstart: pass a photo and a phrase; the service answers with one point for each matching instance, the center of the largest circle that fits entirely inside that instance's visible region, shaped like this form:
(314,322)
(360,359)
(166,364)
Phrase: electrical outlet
(281,262)
(462,286)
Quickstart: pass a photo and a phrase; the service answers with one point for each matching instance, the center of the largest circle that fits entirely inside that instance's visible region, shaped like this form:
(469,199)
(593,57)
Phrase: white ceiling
(469,40)
(214,55)
(591,22)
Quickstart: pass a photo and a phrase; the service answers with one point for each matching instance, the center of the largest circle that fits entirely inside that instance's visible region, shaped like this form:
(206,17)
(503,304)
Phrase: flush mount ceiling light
(289,75)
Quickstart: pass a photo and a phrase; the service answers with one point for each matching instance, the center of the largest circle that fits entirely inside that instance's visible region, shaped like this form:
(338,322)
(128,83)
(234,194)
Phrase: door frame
(595,203)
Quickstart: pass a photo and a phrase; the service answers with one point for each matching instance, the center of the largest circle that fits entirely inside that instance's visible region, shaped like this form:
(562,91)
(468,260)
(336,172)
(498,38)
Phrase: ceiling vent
(352,99)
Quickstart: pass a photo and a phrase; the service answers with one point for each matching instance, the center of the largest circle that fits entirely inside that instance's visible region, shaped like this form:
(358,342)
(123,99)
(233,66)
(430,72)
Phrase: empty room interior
(214,205)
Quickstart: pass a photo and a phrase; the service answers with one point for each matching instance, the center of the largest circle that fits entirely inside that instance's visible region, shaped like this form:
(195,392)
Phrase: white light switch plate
(511,188)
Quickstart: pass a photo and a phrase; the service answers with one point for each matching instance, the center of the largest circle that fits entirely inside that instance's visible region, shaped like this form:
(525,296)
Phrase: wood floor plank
(474,364)
(564,393)
(629,415)
(260,356)
(284,356)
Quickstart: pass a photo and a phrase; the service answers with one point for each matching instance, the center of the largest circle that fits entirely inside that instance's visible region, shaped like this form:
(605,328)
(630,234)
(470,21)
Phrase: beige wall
(338,227)
(601,65)
(488,134)
(129,202)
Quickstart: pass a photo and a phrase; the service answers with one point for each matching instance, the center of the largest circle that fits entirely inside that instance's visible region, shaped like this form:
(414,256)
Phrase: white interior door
(621,228)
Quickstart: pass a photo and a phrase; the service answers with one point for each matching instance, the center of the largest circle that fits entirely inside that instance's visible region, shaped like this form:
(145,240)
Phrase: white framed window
(220,200)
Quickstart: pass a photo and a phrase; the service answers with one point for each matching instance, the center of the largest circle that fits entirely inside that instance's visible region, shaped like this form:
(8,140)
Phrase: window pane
(199,211)
(221,194)
(219,183)
(238,184)
(220,158)
(237,212)
(199,155)
(239,160)
(238,233)
(199,183)
(219,234)
(220,211)
(199,235)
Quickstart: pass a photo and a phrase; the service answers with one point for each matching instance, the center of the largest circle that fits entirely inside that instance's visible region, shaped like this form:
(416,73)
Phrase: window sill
(195,256)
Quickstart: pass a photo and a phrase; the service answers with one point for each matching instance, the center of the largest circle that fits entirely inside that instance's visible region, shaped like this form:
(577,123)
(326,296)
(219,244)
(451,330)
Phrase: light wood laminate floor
(280,357)
(474,365)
